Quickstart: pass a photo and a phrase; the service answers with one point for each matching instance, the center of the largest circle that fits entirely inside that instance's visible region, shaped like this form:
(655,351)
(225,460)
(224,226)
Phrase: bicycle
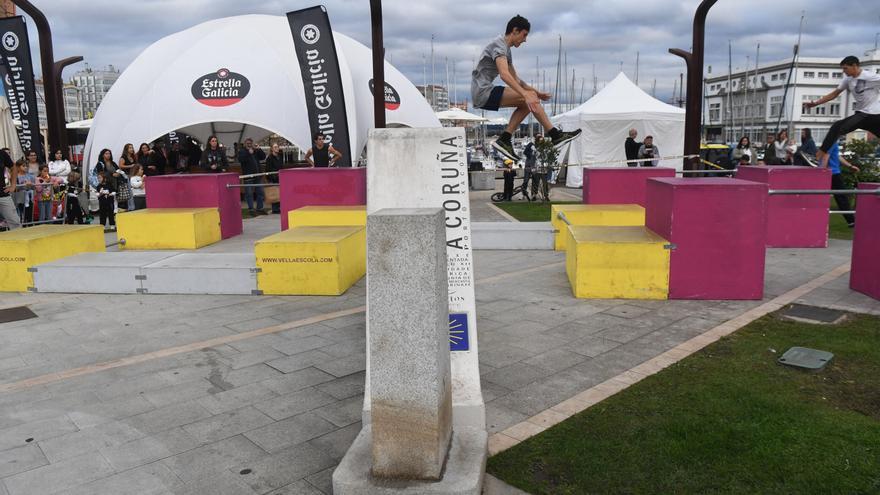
(499,196)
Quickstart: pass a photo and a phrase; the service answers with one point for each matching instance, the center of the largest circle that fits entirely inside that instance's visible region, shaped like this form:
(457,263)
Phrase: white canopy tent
(8,134)
(607,117)
(153,96)
(458,115)
(80,124)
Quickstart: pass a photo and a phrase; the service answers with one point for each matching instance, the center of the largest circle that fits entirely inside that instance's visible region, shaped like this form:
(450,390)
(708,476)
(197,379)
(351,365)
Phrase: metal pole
(433,77)
(57,134)
(694,64)
(773,192)
(729,131)
(797,57)
(755,90)
(378,64)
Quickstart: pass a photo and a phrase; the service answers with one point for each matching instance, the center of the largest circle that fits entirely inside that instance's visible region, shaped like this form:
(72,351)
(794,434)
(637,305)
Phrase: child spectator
(46,186)
(74,209)
(138,189)
(106,200)
(24,193)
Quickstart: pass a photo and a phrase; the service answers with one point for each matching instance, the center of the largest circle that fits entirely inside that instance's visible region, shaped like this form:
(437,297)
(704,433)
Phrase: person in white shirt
(865,88)
(138,188)
(59,167)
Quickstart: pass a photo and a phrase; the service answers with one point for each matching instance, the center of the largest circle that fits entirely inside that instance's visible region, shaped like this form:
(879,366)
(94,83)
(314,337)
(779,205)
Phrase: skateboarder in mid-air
(496,60)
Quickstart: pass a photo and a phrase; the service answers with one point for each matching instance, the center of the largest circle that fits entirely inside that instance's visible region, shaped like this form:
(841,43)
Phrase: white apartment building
(437,96)
(755,106)
(93,86)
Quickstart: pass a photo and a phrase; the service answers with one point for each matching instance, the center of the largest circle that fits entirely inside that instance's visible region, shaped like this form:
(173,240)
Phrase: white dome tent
(607,117)
(155,94)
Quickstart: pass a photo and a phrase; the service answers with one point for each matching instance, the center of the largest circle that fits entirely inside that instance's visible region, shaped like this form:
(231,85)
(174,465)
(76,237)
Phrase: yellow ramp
(21,249)
(617,263)
(610,215)
(327,216)
(311,261)
(168,228)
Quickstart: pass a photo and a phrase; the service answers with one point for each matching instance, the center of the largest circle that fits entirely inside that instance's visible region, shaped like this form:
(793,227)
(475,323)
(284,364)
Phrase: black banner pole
(378,63)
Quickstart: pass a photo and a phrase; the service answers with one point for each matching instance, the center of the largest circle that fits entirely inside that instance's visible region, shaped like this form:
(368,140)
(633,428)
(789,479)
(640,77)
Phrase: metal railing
(791,192)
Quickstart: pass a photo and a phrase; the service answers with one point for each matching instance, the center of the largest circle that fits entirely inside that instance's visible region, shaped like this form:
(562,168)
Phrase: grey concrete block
(411,385)
(202,273)
(291,431)
(483,180)
(513,235)
(463,476)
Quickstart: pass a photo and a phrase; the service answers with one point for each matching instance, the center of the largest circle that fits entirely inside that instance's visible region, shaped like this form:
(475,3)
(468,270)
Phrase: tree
(548,159)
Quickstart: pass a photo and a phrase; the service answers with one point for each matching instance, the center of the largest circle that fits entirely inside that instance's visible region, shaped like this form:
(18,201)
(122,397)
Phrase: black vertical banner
(18,74)
(322,80)
(11,98)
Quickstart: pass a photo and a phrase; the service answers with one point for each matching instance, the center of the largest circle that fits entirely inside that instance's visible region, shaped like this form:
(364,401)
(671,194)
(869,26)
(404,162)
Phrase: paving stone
(53,478)
(627,311)
(503,355)
(322,480)
(206,461)
(179,393)
(16,436)
(345,387)
(299,361)
(96,414)
(245,359)
(624,334)
(236,398)
(301,487)
(291,431)
(592,346)
(168,417)
(90,439)
(227,424)
(149,449)
(152,479)
(221,483)
(336,443)
(499,416)
(20,459)
(285,467)
(344,412)
(556,360)
(297,380)
(296,346)
(516,375)
(347,348)
(251,374)
(345,366)
(573,330)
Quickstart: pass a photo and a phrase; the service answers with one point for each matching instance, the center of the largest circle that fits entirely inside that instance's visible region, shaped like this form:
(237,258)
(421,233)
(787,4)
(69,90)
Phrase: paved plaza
(153,394)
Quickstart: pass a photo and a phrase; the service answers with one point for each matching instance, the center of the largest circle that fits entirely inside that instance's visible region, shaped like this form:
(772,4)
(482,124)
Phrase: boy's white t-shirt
(865,89)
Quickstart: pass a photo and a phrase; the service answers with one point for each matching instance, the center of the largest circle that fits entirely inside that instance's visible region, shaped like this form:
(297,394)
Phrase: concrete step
(97,273)
(202,273)
(512,235)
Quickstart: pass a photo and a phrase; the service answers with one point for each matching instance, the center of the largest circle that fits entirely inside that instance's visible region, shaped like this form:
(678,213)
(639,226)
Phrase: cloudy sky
(600,34)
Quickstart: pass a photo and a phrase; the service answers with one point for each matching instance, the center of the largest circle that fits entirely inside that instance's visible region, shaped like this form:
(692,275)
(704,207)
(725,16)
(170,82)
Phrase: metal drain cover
(16,314)
(813,314)
(806,358)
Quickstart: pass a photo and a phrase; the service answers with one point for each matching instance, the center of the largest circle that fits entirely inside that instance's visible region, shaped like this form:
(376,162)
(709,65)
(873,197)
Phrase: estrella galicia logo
(310,34)
(458,332)
(392,98)
(221,89)
(10,41)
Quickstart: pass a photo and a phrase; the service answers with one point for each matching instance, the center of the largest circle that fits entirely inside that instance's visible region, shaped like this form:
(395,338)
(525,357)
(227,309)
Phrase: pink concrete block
(199,191)
(619,185)
(718,228)
(865,273)
(321,187)
(794,221)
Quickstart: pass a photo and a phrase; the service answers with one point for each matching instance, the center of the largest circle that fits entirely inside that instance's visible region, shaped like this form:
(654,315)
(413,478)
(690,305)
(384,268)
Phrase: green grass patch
(727,419)
(534,211)
(837,227)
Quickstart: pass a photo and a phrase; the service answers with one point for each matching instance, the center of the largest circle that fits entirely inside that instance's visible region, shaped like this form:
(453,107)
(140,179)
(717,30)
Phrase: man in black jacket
(632,148)
(250,157)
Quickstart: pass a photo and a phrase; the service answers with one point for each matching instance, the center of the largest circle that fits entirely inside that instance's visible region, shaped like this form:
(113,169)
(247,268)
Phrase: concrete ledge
(463,474)
(512,235)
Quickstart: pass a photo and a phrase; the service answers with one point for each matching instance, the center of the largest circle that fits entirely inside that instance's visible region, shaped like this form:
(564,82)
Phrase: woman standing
(779,147)
(33,163)
(744,148)
(59,167)
(274,163)
(214,158)
(127,160)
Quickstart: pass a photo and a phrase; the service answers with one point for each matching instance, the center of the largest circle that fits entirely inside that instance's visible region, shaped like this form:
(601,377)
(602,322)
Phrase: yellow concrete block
(327,216)
(311,261)
(168,228)
(610,215)
(616,263)
(21,249)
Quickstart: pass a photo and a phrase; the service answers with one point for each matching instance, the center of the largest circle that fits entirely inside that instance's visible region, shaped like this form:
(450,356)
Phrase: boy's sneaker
(564,138)
(506,149)
(809,159)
